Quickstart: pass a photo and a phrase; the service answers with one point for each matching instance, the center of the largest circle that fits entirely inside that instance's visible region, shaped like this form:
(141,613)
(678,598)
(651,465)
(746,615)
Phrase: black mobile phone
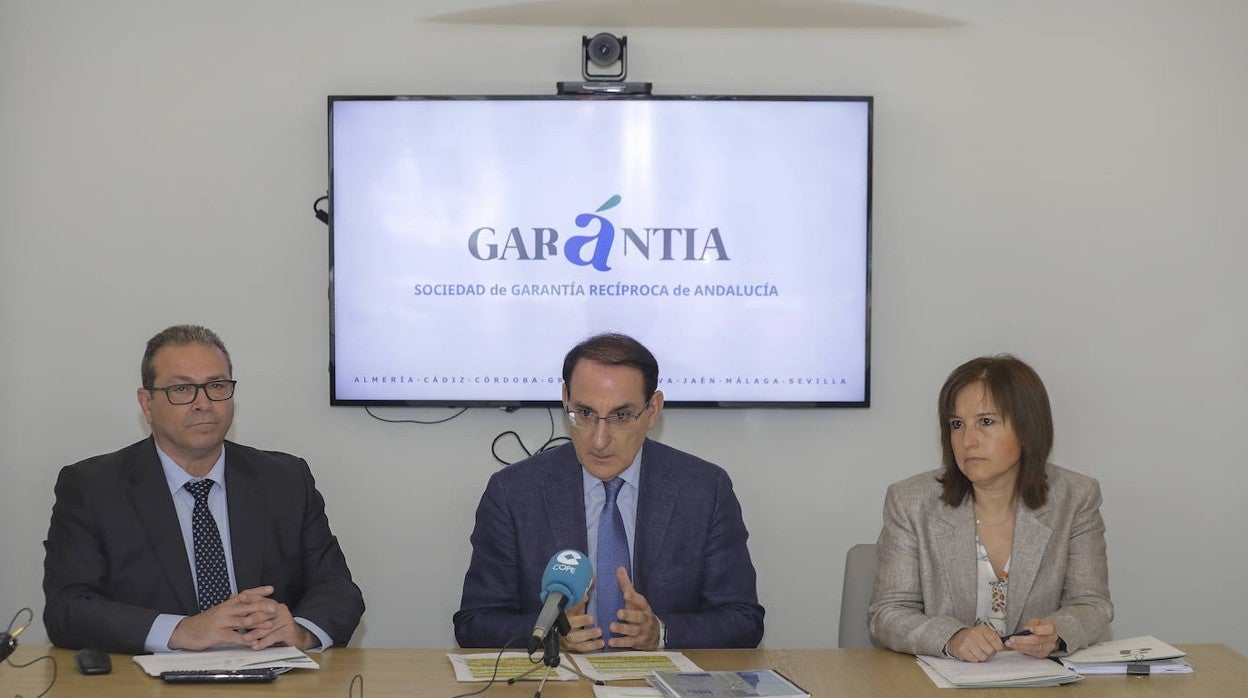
(91,661)
(263,675)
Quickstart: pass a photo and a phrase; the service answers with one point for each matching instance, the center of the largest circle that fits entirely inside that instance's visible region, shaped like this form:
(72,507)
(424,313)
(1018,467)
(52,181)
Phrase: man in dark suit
(692,583)
(135,562)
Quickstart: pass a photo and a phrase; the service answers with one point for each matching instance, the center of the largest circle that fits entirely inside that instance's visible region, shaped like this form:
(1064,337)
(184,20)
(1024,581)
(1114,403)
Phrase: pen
(1021,633)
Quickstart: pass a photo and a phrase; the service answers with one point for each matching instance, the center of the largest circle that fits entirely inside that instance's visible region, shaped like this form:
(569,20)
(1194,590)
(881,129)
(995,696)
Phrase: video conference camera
(604,65)
(604,50)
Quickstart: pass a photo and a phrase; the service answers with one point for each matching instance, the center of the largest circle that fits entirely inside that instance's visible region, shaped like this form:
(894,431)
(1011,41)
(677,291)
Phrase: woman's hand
(977,644)
(1042,641)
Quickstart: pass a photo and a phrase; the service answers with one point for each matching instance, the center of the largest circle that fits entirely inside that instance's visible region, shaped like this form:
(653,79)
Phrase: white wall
(1063,180)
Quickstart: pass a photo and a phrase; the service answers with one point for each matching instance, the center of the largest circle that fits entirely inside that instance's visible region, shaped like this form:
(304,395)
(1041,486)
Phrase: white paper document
(1133,649)
(1142,655)
(1006,669)
(1178,665)
(626,692)
(623,666)
(755,683)
(480,666)
(272,657)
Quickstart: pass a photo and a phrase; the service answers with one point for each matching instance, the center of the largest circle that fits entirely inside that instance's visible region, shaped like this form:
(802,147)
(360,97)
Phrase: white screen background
(785,183)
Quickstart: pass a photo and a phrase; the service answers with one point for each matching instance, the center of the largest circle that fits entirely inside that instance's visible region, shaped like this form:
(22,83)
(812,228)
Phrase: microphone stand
(550,656)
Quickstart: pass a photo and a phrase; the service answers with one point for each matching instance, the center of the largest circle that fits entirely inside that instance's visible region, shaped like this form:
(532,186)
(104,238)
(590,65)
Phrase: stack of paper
(486,666)
(631,665)
(1135,655)
(726,684)
(274,657)
(1005,670)
(626,692)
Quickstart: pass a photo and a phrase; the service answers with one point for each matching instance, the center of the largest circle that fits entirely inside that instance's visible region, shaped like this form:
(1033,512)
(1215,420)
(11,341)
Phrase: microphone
(565,583)
(8,642)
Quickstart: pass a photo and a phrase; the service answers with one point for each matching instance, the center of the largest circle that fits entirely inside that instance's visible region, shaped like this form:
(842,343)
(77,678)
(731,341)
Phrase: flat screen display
(474,240)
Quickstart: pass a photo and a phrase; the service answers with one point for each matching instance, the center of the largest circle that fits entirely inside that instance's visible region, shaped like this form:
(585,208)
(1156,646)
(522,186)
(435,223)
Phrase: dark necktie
(612,553)
(212,580)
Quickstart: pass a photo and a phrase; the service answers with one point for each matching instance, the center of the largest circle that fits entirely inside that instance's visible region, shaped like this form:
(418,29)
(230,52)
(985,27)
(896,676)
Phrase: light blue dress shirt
(184,503)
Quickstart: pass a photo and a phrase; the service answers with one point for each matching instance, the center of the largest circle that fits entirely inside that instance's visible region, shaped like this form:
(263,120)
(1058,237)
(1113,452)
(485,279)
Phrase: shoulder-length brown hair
(1023,402)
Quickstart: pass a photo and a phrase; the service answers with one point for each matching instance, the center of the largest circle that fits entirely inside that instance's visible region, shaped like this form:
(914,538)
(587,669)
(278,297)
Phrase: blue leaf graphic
(615,199)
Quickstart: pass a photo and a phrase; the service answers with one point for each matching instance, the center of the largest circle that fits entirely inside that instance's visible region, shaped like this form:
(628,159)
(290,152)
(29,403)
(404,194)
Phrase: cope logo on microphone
(568,561)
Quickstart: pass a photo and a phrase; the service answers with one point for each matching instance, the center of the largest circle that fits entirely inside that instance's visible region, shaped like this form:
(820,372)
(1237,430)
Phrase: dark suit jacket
(690,558)
(115,558)
(925,586)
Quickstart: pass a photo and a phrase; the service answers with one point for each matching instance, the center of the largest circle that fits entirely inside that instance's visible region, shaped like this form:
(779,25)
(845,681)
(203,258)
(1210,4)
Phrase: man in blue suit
(692,583)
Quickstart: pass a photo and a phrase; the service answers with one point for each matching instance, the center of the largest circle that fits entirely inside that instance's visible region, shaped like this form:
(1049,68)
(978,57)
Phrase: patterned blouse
(990,601)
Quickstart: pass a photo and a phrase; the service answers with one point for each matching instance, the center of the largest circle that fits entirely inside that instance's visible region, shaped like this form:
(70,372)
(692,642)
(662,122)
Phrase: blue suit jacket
(116,559)
(690,558)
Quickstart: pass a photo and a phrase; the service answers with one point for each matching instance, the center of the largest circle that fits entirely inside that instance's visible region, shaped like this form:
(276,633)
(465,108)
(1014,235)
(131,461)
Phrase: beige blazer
(925,588)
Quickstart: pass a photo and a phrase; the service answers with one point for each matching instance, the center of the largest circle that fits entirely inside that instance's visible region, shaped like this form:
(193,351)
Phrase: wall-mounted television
(474,240)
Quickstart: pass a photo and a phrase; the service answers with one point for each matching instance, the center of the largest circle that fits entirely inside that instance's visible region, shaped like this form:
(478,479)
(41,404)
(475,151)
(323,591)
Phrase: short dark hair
(614,349)
(178,335)
(1023,402)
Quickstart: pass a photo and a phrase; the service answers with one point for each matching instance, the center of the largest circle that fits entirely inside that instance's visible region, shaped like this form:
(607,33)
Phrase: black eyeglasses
(585,418)
(185,393)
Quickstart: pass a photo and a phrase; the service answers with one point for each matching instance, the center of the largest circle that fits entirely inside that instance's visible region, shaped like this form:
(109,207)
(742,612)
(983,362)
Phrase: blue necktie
(212,580)
(612,553)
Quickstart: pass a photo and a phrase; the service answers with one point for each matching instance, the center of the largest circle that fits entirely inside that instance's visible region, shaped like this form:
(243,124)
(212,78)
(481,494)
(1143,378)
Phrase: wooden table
(1220,672)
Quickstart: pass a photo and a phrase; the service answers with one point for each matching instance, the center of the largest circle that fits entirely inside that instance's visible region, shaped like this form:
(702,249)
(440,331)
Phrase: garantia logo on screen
(595,249)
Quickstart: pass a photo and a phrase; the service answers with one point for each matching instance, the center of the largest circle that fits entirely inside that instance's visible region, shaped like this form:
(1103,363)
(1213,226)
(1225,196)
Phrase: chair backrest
(860,564)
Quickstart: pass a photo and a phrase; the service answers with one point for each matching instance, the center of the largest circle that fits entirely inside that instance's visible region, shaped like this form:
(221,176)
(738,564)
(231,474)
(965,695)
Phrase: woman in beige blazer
(997,542)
